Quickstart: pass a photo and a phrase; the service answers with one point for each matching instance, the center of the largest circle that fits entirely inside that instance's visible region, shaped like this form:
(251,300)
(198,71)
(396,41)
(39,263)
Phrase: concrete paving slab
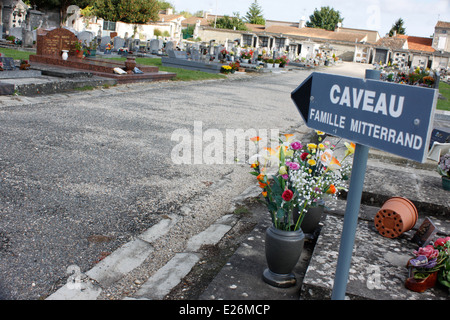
(377,270)
(120,262)
(168,276)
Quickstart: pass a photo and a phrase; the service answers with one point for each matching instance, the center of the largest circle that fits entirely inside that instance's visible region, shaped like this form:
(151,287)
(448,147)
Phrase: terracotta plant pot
(396,216)
(130,63)
(421,285)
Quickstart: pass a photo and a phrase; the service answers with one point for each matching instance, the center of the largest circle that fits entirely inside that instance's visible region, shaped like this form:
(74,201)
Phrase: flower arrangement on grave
(444,165)
(78,46)
(283,61)
(298,176)
(1,66)
(246,54)
(225,69)
(24,65)
(430,264)
(224,52)
(108,46)
(235,66)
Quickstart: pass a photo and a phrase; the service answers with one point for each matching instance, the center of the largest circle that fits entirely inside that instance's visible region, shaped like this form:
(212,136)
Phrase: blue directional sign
(391,117)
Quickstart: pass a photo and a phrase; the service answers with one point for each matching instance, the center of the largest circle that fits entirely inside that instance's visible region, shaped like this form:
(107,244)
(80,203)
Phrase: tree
(61,5)
(164,5)
(326,18)
(128,11)
(226,22)
(254,14)
(397,27)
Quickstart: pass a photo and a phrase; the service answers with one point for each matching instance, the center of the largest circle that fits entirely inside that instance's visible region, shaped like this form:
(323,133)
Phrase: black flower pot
(312,218)
(283,249)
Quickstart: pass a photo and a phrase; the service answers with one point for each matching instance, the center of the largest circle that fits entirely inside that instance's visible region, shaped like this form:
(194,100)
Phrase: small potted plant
(79,49)
(430,265)
(444,170)
(225,69)
(246,55)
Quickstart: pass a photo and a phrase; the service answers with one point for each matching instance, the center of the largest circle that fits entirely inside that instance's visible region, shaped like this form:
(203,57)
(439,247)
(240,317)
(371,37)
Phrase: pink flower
(293,165)
(427,251)
(296,145)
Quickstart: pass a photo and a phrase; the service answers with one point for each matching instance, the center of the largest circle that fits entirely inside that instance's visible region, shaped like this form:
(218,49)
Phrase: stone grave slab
(8,63)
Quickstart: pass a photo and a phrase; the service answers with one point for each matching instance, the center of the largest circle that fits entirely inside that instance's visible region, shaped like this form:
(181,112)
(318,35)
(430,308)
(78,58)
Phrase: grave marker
(8,63)
(51,43)
(343,103)
(388,116)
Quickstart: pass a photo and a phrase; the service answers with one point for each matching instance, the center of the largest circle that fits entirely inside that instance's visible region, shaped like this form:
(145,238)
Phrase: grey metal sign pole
(351,213)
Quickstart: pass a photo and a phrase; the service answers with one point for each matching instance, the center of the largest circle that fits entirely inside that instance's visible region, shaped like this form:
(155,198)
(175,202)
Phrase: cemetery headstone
(118,43)
(154,46)
(16,32)
(85,36)
(169,46)
(195,54)
(8,63)
(52,43)
(104,41)
(136,44)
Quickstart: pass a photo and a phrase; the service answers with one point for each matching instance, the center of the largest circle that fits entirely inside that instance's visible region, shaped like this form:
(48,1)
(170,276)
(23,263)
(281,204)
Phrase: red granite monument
(51,43)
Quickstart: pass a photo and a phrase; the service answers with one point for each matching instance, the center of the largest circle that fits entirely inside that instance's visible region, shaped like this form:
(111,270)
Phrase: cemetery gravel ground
(84,175)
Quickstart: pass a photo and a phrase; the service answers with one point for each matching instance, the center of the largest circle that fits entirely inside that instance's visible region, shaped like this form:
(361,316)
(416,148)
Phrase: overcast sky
(420,16)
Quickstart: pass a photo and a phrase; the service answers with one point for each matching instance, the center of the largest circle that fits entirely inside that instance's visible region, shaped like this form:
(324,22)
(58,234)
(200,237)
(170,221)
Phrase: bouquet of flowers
(246,54)
(429,260)
(226,69)
(444,165)
(303,175)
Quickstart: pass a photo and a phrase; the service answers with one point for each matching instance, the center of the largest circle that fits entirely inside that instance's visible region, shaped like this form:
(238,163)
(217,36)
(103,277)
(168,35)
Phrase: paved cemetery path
(83,174)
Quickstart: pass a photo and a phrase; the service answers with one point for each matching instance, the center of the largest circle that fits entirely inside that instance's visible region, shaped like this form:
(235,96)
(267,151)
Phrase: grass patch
(16,54)
(182,74)
(444,89)
(85,88)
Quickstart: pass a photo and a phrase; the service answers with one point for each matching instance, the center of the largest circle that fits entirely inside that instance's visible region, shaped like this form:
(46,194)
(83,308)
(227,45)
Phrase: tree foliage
(254,14)
(397,27)
(128,11)
(326,18)
(60,5)
(226,22)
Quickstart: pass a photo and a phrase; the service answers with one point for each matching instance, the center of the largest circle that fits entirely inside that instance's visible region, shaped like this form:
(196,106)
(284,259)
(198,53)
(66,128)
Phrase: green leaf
(280,213)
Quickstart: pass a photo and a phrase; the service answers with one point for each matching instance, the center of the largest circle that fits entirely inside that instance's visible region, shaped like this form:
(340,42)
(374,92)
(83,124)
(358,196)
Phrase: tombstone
(195,54)
(169,46)
(52,42)
(179,54)
(103,42)
(16,32)
(118,43)
(8,63)
(135,44)
(85,36)
(154,46)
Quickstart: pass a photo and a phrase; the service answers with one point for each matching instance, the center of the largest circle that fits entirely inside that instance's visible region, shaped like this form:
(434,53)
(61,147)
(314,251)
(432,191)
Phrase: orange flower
(262,185)
(260,177)
(264,193)
(331,189)
(255,139)
(254,165)
(270,150)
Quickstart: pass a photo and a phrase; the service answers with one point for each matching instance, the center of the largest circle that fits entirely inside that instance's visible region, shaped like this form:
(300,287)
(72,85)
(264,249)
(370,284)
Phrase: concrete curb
(88,286)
